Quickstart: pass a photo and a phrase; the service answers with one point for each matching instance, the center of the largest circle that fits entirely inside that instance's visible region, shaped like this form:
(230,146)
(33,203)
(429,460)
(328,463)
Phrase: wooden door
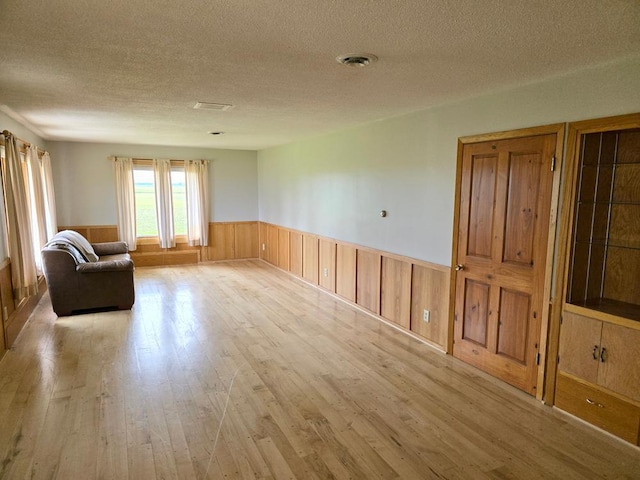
(505,201)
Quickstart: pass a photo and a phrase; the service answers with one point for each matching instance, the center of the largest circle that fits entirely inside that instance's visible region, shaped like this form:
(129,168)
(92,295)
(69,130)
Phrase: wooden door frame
(559,130)
(575,131)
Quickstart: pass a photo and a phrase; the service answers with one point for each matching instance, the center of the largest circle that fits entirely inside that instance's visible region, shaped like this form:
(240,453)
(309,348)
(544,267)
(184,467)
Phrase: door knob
(459,267)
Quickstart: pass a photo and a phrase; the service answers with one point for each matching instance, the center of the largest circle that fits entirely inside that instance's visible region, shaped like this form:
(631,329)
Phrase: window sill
(180,239)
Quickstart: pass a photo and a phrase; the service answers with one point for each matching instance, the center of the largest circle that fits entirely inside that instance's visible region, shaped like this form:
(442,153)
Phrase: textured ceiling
(130,71)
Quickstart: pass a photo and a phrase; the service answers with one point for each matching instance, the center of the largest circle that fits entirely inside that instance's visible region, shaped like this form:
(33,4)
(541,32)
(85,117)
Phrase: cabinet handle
(602,354)
(591,402)
(595,352)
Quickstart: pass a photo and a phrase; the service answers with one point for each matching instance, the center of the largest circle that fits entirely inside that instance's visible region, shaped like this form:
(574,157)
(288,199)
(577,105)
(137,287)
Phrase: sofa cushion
(78,241)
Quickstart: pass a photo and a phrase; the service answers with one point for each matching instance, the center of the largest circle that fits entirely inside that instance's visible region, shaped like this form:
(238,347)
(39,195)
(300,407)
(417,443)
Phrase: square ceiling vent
(221,107)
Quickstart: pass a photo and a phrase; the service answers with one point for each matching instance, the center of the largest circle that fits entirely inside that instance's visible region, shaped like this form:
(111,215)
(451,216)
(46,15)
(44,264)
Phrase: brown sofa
(84,277)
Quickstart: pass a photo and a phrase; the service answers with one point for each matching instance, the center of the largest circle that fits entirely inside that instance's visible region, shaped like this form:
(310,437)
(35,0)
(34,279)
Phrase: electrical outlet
(264,247)
(325,272)
(425,316)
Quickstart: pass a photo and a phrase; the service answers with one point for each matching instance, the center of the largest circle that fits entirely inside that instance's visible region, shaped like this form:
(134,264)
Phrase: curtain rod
(139,159)
(26,144)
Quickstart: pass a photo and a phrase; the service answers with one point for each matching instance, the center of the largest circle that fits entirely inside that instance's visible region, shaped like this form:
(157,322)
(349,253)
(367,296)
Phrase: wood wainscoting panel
(395,294)
(272,244)
(175,257)
(6,289)
(395,287)
(221,241)
(310,258)
(283,248)
(327,264)
(227,241)
(368,280)
(246,240)
(430,291)
(295,253)
(95,233)
(346,271)
(7,306)
(181,257)
(263,240)
(14,324)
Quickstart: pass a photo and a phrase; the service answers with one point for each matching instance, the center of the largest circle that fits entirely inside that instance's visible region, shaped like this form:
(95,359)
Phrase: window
(146,220)
(144,186)
(179,201)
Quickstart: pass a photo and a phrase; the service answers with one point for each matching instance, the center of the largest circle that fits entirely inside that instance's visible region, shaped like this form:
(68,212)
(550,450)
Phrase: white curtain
(23,266)
(197,190)
(125,201)
(37,209)
(164,203)
(51,221)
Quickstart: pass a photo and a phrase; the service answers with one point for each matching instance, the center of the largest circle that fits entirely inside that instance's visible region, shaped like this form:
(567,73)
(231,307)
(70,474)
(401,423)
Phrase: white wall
(8,123)
(336,185)
(85,185)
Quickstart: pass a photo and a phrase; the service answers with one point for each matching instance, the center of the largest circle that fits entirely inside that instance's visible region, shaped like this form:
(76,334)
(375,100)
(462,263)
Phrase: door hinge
(538,358)
(553,163)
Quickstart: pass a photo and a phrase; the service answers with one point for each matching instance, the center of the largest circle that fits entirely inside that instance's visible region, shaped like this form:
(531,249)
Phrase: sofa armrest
(124,265)
(110,248)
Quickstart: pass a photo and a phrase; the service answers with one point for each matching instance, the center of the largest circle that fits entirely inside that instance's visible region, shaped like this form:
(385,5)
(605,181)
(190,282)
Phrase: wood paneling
(6,290)
(103,234)
(395,294)
(221,241)
(283,248)
(327,264)
(272,244)
(386,283)
(246,240)
(346,271)
(295,253)
(430,290)
(310,258)
(622,281)
(368,280)
(625,230)
(263,241)
(6,302)
(95,233)
(165,258)
(227,241)
(17,320)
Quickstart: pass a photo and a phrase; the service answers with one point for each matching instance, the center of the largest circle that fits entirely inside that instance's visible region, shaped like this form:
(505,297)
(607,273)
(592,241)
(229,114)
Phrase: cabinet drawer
(599,408)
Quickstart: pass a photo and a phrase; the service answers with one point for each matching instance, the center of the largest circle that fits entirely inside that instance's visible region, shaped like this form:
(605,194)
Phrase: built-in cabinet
(598,376)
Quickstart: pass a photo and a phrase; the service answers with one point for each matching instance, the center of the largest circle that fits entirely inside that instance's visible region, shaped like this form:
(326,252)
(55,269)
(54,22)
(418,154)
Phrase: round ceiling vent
(357,59)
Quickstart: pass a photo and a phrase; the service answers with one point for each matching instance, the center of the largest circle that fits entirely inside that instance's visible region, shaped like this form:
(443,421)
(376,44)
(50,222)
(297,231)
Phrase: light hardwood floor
(237,370)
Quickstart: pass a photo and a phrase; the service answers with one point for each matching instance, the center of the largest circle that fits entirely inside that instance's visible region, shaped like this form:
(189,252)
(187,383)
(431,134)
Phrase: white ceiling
(130,71)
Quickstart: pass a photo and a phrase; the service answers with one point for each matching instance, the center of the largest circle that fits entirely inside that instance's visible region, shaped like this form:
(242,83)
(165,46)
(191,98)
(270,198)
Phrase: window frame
(148,163)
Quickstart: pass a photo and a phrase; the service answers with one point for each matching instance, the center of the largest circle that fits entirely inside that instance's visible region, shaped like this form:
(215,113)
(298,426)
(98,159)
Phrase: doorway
(503,251)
